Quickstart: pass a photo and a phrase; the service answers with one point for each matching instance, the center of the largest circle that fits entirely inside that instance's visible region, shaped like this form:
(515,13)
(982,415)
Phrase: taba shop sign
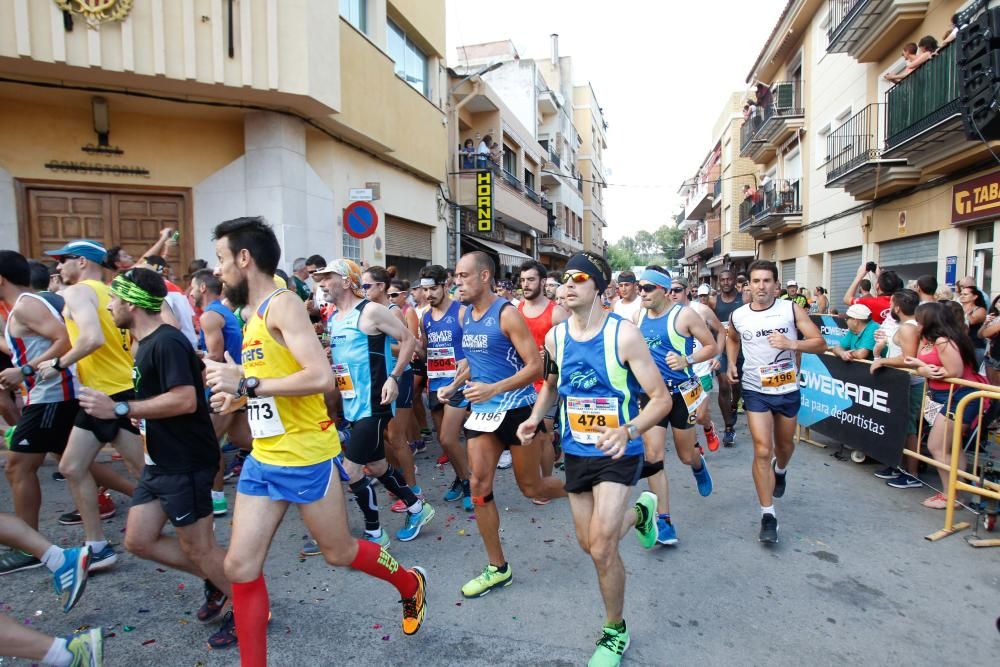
(976,199)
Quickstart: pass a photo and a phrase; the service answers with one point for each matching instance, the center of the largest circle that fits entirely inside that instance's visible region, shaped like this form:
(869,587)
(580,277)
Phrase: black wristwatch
(27,370)
(395,378)
(55,364)
(122,409)
(250,386)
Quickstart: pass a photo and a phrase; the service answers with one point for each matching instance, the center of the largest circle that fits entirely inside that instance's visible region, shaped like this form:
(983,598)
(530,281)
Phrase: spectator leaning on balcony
(483,152)
(468,154)
(910,56)
(859,341)
(496,153)
(927,48)
(952,33)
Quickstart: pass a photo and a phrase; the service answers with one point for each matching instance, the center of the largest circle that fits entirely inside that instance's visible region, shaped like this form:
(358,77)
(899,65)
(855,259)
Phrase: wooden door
(130,219)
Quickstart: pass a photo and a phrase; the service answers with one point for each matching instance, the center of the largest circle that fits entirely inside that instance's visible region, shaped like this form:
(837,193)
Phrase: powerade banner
(844,401)
(833,327)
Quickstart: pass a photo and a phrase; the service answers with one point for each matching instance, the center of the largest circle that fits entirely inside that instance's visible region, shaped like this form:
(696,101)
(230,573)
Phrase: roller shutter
(910,258)
(407,239)
(843,267)
(787,271)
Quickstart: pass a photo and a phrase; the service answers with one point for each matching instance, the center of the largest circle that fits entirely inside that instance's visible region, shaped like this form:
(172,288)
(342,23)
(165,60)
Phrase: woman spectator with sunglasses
(974,305)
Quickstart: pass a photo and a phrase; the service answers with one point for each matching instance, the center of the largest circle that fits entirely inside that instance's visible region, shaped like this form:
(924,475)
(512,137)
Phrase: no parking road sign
(360,219)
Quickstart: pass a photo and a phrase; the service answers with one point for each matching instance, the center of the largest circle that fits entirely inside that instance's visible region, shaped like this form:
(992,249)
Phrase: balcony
(854,157)
(512,204)
(924,113)
(867,30)
(700,202)
(773,123)
(717,248)
(697,245)
(775,208)
(559,243)
(717,192)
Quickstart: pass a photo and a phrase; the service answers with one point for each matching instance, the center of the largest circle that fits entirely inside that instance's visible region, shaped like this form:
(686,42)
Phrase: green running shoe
(645,519)
(87,648)
(610,648)
(491,578)
(382,540)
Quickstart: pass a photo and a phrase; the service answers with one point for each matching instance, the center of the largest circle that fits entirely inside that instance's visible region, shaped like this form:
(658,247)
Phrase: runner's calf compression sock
(376,561)
(395,485)
(365,495)
(250,611)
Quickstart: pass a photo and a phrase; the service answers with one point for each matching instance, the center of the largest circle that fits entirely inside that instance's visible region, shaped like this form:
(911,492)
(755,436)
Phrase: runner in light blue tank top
(60,387)
(492,358)
(365,361)
(662,338)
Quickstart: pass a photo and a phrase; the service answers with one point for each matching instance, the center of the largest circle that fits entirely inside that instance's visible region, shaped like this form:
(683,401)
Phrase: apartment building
(857,168)
(542,97)
(712,197)
(185,113)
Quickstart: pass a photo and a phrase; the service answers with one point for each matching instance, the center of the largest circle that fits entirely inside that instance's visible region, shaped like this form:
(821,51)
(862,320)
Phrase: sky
(662,71)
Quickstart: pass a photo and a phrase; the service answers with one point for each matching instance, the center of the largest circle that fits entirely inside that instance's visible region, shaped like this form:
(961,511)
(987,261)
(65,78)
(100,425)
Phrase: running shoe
(219,506)
(443,460)
(310,548)
(541,501)
(887,473)
(491,578)
(666,534)
(70,579)
(414,522)
(769,529)
(103,560)
(703,478)
(455,492)
(225,636)
(779,480)
(15,560)
(228,447)
(214,605)
(610,648)
(87,648)
(467,503)
(938,501)
(58,476)
(728,438)
(505,460)
(105,507)
(415,608)
(904,481)
(235,466)
(645,521)
(382,540)
(712,439)
(418,446)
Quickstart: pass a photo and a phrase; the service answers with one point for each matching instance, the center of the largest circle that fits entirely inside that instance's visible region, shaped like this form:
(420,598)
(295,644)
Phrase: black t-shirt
(163,360)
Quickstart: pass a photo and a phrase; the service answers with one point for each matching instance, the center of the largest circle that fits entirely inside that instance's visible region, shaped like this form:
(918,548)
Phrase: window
(411,63)
(509,161)
(529,179)
(352,247)
(356,13)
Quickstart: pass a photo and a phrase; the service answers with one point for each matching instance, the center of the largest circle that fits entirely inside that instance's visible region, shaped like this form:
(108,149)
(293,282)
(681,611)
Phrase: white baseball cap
(859,312)
(792,283)
(704,289)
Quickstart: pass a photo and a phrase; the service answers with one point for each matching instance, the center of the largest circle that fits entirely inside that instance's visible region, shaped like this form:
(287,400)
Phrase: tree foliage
(662,246)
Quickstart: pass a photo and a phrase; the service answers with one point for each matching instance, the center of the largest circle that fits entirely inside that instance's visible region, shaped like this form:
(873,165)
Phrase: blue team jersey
(661,338)
(232,333)
(595,389)
(361,364)
(444,346)
(492,358)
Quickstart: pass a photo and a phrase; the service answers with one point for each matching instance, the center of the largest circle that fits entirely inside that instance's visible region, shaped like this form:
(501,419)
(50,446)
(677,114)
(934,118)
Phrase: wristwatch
(633,432)
(396,378)
(122,409)
(250,386)
(690,359)
(27,370)
(55,364)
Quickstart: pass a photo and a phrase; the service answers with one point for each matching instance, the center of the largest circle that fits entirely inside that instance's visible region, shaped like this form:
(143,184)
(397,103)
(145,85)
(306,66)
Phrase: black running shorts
(367,441)
(184,497)
(44,428)
(583,473)
(506,432)
(106,430)
(678,417)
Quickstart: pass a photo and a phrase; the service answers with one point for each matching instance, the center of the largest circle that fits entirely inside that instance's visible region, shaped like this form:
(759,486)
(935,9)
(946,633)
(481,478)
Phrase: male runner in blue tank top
(368,379)
(670,331)
(599,366)
(503,362)
(766,332)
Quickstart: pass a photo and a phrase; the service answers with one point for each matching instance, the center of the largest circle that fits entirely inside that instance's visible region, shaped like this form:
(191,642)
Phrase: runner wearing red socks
(282,379)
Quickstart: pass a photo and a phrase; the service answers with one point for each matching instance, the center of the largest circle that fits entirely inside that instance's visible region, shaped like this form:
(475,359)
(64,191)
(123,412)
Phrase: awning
(741,254)
(508,255)
(704,273)
(715,261)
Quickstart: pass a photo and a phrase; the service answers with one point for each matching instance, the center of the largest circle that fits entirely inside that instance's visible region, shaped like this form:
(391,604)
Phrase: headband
(429,282)
(581,262)
(128,291)
(657,278)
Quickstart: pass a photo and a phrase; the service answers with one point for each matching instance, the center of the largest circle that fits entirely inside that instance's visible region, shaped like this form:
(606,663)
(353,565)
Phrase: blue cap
(85,248)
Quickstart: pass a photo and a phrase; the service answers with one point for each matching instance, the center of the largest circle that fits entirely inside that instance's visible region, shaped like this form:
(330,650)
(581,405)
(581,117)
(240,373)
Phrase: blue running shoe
(103,560)
(665,532)
(703,478)
(70,579)
(455,492)
(414,522)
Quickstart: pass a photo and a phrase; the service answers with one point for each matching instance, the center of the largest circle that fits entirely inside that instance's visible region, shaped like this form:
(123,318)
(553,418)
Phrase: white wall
(8,212)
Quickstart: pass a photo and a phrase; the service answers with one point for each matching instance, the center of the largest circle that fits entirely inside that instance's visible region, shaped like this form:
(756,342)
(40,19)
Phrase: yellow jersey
(109,368)
(287,430)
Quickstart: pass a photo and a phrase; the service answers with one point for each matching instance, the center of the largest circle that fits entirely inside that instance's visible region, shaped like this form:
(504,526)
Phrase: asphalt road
(853,581)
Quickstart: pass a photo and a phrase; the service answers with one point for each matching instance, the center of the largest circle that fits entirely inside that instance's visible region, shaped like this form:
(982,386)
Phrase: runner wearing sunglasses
(599,368)
(670,330)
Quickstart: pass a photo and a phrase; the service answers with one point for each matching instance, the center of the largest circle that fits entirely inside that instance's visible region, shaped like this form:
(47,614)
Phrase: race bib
(263,417)
(693,394)
(587,416)
(345,383)
(931,410)
(778,378)
(441,362)
(485,422)
(145,450)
